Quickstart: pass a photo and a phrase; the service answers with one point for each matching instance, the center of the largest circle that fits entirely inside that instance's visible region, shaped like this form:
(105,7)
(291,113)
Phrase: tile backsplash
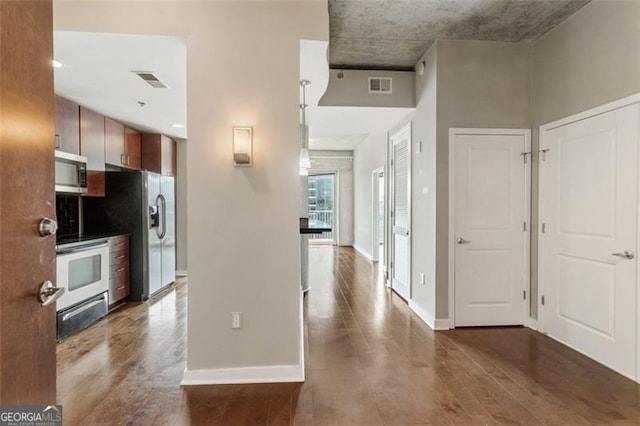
(68,213)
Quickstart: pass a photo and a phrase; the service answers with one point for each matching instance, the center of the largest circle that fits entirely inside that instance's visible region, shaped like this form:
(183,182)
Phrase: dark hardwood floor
(369,361)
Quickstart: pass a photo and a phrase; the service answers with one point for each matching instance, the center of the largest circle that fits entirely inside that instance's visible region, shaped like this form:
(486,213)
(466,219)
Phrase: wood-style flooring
(369,361)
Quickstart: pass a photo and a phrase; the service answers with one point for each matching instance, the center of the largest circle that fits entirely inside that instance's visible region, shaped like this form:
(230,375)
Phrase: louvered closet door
(401,219)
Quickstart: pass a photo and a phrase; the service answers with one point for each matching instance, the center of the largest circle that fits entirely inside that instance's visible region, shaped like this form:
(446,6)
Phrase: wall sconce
(243,146)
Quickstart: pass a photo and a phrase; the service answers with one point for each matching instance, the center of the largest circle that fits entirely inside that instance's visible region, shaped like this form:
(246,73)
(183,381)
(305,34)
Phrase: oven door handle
(83,247)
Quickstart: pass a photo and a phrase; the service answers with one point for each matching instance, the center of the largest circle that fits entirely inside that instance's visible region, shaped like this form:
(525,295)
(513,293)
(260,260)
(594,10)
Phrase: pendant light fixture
(305,160)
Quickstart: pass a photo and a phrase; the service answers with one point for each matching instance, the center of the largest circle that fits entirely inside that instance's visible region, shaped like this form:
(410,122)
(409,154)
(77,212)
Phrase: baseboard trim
(227,376)
(423,314)
(362,252)
(443,324)
(181,273)
(427,317)
(532,323)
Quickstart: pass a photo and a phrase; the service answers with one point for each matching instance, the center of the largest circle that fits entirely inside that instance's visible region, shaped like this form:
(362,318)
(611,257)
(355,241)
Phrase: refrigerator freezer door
(167,185)
(153,241)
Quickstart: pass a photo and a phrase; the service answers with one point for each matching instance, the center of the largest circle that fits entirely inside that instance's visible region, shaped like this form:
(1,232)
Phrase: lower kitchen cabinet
(119,282)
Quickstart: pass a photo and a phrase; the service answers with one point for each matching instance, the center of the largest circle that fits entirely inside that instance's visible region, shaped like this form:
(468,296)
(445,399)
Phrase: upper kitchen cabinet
(67,125)
(114,143)
(158,154)
(122,145)
(133,148)
(92,146)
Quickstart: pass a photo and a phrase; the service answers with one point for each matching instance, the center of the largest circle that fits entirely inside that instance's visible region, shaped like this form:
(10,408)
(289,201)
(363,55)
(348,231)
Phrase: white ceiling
(96,73)
(343,128)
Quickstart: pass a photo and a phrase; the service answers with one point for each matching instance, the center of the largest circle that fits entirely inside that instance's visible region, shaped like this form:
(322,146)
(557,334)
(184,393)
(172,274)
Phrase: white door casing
(489,226)
(400,143)
(588,212)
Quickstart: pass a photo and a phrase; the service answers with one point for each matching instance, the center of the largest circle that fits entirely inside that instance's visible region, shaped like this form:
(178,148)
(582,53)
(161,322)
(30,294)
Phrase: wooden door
(67,125)
(27,330)
(401,213)
(489,185)
(589,210)
(92,147)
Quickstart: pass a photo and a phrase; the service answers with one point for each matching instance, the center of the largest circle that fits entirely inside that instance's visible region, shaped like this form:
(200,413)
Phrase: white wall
(370,154)
(480,84)
(340,162)
(423,188)
(589,60)
(353,89)
(237,75)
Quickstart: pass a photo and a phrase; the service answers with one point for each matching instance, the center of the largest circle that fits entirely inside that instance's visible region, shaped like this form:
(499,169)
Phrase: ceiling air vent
(380,85)
(150,78)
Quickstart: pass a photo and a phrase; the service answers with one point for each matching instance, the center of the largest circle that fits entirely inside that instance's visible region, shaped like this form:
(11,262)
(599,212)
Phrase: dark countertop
(69,242)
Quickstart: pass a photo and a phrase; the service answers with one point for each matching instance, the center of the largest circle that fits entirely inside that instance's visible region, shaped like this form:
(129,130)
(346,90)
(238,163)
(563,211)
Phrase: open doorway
(323,207)
(378,240)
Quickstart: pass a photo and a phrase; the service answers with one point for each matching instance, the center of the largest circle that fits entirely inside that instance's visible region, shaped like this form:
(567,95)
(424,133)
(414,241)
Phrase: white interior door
(401,212)
(490,195)
(589,214)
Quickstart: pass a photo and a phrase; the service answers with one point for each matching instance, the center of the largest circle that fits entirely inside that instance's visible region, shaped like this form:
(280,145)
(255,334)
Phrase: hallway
(369,361)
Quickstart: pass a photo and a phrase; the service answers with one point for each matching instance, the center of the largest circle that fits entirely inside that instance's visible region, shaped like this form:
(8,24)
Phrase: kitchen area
(115,180)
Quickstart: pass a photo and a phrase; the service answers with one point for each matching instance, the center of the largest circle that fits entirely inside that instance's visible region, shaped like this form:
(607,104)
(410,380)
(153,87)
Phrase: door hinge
(391,214)
(544,228)
(391,163)
(542,299)
(524,156)
(543,152)
(524,294)
(524,226)
(391,265)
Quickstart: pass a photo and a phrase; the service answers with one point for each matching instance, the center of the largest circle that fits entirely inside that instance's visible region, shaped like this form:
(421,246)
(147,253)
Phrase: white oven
(83,272)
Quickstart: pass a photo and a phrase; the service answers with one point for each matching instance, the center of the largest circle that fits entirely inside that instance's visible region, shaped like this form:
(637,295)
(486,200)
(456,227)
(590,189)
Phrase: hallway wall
(369,155)
(590,59)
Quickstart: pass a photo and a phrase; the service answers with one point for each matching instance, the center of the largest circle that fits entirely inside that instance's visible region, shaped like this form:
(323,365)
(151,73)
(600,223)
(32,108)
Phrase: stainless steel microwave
(71,173)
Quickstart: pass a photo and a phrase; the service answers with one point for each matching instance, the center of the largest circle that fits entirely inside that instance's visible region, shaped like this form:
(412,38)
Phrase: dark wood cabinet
(159,154)
(133,148)
(119,281)
(114,143)
(67,122)
(122,145)
(92,147)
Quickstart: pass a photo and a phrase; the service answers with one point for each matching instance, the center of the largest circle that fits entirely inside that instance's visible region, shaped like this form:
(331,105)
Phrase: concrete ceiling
(96,72)
(394,34)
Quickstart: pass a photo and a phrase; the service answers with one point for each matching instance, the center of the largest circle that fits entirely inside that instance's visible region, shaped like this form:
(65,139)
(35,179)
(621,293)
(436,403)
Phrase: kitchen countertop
(70,242)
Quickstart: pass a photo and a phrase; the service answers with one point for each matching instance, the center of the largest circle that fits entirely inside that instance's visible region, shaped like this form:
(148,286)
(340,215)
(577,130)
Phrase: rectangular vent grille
(380,85)
(151,79)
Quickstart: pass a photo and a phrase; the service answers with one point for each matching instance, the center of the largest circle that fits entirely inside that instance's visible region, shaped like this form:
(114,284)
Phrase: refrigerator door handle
(163,209)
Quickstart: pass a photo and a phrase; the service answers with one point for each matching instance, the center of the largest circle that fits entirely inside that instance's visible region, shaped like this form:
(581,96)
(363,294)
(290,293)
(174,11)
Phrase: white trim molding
(428,318)
(423,314)
(362,251)
(241,375)
(532,323)
(181,273)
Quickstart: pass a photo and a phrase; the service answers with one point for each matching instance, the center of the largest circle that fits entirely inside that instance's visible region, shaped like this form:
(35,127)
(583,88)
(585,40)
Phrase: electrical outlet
(236,320)
(422,279)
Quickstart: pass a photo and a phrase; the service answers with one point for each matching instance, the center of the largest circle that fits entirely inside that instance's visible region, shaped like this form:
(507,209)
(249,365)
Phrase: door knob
(627,254)
(461,240)
(49,293)
(47,227)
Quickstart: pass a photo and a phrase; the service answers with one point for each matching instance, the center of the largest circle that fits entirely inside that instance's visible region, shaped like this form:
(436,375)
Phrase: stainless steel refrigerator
(141,204)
